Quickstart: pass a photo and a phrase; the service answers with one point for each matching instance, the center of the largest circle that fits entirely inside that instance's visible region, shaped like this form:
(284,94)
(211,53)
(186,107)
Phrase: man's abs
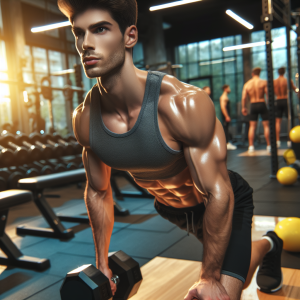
(178,191)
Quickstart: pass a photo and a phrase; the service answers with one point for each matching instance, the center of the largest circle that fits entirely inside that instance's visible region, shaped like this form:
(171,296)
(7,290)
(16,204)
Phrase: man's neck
(123,90)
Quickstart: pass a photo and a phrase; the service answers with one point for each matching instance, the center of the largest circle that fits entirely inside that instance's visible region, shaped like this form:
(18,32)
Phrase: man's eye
(99,30)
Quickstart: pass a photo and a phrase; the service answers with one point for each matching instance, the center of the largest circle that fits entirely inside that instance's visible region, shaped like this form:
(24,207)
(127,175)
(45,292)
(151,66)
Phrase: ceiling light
(172,4)
(244,46)
(239,19)
(51,26)
(217,61)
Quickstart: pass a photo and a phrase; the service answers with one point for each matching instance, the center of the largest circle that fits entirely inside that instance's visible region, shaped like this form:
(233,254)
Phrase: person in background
(225,108)
(207,90)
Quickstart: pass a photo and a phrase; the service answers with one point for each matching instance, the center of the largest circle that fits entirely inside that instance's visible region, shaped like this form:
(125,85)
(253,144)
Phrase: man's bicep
(98,173)
(207,165)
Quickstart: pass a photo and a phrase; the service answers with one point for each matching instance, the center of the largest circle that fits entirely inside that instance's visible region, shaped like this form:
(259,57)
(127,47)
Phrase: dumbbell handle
(115,279)
(28,145)
(13,145)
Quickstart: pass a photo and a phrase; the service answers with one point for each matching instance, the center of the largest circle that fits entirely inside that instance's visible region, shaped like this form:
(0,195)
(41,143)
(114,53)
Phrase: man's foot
(231,147)
(269,276)
(278,144)
(251,149)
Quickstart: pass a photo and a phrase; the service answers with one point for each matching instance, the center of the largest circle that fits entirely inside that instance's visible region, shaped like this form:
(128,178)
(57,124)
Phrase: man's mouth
(90,60)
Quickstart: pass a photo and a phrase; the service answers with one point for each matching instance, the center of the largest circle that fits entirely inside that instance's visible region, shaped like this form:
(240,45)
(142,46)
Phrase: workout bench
(15,257)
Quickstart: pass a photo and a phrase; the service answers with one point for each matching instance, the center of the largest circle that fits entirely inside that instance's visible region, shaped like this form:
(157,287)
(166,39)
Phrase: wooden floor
(170,279)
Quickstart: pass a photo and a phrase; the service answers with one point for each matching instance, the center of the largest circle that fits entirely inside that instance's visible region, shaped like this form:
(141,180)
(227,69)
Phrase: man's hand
(207,290)
(228,119)
(245,111)
(108,273)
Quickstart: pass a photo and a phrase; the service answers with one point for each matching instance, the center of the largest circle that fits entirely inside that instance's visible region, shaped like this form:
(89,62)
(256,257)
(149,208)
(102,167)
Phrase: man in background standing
(225,108)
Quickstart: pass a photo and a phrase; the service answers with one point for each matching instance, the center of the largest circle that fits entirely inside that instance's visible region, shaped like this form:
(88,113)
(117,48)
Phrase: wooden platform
(170,279)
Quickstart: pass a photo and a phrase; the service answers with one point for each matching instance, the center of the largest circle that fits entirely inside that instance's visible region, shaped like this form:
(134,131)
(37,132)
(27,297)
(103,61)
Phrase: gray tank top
(141,151)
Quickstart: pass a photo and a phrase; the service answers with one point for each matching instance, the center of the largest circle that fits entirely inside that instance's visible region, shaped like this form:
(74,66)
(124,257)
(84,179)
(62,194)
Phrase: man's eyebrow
(102,23)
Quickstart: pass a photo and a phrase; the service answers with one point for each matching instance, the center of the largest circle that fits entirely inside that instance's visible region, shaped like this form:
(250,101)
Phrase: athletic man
(166,135)
(281,92)
(207,90)
(256,89)
(225,108)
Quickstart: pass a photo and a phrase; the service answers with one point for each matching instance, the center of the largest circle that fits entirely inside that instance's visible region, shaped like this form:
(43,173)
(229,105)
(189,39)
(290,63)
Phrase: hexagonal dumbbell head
(129,273)
(86,283)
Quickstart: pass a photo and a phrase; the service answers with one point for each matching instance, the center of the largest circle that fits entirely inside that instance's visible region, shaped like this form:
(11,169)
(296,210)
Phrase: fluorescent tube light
(172,4)
(217,61)
(50,27)
(239,19)
(250,45)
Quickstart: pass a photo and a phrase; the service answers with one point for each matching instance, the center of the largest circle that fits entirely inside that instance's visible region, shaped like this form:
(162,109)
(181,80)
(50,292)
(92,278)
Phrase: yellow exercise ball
(289,156)
(289,231)
(287,175)
(295,134)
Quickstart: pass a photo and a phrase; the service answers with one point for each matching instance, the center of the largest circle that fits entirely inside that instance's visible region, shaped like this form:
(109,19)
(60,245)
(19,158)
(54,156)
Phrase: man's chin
(93,72)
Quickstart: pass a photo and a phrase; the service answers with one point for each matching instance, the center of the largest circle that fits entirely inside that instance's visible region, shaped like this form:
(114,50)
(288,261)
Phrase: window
(205,63)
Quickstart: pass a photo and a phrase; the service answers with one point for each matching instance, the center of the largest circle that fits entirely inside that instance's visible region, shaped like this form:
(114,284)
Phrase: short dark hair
(225,86)
(124,12)
(281,71)
(256,71)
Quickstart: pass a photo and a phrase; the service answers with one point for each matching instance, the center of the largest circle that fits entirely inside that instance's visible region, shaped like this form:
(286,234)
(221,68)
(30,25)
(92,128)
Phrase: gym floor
(142,235)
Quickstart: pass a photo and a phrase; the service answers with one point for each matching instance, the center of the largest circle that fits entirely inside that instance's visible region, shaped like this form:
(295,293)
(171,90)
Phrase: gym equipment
(87,282)
(33,153)
(42,169)
(9,180)
(7,157)
(20,152)
(295,134)
(77,148)
(37,139)
(289,156)
(289,231)
(51,139)
(14,257)
(57,167)
(25,171)
(287,176)
(296,166)
(46,151)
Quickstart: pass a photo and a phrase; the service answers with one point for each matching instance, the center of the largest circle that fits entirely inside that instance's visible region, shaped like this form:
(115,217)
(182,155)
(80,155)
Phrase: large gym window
(206,64)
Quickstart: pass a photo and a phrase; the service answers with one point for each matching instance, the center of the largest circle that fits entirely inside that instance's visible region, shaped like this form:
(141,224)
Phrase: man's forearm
(217,224)
(100,208)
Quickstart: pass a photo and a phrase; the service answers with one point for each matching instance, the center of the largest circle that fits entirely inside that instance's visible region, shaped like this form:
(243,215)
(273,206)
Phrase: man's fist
(245,111)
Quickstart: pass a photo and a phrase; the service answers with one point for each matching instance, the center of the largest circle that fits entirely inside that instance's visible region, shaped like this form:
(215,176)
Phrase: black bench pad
(52,180)
(14,197)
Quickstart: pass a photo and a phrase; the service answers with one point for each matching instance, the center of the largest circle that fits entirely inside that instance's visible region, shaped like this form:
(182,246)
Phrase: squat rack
(280,10)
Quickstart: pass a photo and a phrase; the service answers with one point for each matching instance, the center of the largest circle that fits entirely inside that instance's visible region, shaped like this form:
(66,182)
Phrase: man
(281,92)
(166,135)
(256,89)
(225,108)
(207,90)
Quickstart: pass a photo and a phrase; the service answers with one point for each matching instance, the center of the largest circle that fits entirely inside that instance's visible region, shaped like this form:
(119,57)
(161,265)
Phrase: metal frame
(281,10)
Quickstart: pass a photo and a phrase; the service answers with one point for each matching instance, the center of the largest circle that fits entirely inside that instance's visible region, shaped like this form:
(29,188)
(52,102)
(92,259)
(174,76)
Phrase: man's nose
(88,41)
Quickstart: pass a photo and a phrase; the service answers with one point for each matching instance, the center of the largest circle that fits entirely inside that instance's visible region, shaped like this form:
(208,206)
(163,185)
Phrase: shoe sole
(273,290)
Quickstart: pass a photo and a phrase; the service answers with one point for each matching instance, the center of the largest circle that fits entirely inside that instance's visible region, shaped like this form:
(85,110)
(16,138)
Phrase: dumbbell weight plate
(2,184)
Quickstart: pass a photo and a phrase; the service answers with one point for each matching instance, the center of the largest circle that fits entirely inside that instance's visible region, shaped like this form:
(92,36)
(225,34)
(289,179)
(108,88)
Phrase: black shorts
(259,108)
(281,108)
(238,254)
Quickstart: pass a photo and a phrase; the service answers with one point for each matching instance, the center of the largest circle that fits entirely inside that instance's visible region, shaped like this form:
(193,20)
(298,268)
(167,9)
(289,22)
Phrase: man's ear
(131,37)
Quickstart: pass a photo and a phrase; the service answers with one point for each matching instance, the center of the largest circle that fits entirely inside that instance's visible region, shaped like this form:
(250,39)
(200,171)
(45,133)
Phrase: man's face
(208,91)
(99,42)
(228,90)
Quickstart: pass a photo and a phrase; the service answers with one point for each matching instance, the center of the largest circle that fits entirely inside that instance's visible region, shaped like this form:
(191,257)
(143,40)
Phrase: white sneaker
(269,148)
(289,144)
(231,147)
(251,149)
(278,144)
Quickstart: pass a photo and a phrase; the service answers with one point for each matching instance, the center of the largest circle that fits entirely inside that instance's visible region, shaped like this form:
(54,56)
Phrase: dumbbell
(22,155)
(70,139)
(7,157)
(50,139)
(88,283)
(9,180)
(57,167)
(25,170)
(42,169)
(45,150)
(34,153)
(37,139)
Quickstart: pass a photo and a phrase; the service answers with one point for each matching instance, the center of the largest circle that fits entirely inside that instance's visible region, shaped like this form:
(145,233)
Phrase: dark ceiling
(206,19)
